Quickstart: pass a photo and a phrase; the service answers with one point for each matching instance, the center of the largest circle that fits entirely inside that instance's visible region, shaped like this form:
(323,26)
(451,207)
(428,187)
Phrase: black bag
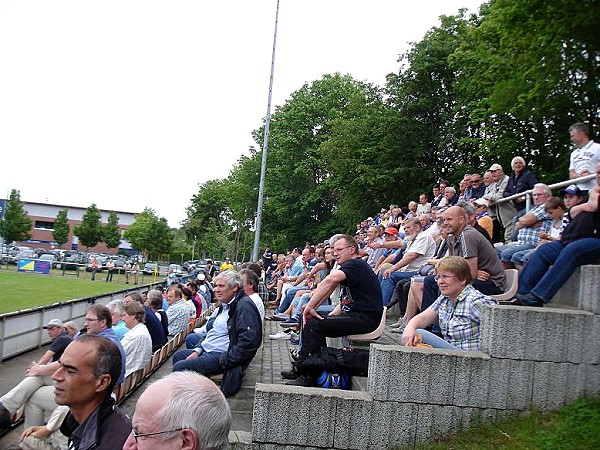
(337,360)
(232,381)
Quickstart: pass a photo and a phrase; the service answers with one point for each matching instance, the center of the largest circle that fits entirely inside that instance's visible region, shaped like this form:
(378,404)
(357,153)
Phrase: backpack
(336,360)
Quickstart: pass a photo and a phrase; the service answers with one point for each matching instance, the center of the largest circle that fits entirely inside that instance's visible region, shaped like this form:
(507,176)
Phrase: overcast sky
(134,104)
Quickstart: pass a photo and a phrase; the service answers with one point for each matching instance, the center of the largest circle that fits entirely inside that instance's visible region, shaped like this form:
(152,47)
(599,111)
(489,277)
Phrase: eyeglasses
(543,194)
(475,181)
(337,250)
(143,436)
(87,319)
(443,277)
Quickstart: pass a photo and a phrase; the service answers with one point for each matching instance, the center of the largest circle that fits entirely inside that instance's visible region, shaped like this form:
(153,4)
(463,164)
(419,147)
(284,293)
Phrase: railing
(528,198)
(21,331)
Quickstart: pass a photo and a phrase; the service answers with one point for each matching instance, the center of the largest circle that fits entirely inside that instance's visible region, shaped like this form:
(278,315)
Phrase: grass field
(574,427)
(24,290)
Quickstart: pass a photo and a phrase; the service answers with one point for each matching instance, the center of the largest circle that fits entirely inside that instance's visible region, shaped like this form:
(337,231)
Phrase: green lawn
(574,427)
(24,290)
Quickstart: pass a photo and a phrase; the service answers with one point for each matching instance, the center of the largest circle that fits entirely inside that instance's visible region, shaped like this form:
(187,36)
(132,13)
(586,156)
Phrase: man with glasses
(528,229)
(477,187)
(88,372)
(38,375)
(359,310)
(181,410)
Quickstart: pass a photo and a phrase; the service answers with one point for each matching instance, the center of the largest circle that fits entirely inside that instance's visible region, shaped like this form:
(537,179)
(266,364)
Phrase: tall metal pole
(263,168)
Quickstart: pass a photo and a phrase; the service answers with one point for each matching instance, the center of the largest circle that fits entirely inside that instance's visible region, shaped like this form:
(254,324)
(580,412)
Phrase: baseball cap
(495,166)
(571,189)
(54,323)
(482,201)
(201,277)
(390,230)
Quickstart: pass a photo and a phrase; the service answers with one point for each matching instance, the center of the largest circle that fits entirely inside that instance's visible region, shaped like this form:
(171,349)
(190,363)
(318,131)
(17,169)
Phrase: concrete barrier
(530,357)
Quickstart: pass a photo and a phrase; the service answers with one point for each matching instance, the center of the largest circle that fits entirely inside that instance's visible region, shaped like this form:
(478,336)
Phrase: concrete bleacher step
(581,290)
(542,357)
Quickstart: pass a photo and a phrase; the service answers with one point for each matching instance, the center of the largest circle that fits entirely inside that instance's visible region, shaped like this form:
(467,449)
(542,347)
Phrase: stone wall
(545,357)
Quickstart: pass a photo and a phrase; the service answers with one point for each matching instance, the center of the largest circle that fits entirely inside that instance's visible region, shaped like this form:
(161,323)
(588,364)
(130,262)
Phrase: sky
(134,104)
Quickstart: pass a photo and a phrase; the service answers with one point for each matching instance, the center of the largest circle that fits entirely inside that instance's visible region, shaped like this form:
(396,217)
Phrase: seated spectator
(472,219)
(555,209)
(478,189)
(155,304)
(390,234)
(186,294)
(37,376)
(359,310)
(205,291)
(178,312)
(483,218)
(116,308)
(165,405)
(420,248)
(458,310)
(550,266)
(412,210)
(250,286)
(72,329)
(437,195)
(528,229)
(262,290)
(159,338)
(450,196)
(137,343)
(195,297)
(232,342)
(424,207)
(373,252)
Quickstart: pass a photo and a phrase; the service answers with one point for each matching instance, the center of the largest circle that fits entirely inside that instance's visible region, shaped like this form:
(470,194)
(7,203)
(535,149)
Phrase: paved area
(272,358)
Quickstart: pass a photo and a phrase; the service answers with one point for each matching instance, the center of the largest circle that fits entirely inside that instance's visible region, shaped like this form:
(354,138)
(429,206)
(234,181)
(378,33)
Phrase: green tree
(89,231)
(111,234)
(16,224)
(150,234)
(61,228)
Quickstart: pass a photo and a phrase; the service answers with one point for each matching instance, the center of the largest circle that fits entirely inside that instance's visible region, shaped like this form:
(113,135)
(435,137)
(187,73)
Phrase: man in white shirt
(585,156)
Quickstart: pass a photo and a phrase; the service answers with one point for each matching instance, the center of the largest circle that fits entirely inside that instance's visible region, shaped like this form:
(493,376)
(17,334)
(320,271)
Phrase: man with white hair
(183,410)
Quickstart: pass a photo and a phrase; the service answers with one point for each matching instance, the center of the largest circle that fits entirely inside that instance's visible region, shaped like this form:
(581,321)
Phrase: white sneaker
(280,335)
(397,330)
(399,324)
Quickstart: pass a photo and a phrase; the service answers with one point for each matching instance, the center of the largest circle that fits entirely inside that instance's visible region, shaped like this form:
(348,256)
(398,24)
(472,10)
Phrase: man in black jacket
(89,369)
(233,340)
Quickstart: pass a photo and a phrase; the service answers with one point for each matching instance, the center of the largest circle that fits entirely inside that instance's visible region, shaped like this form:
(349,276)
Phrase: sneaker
(289,374)
(399,324)
(302,380)
(528,300)
(290,323)
(398,330)
(295,338)
(295,354)
(280,335)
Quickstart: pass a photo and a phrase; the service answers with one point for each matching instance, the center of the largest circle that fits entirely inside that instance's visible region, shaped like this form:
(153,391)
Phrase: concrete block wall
(545,357)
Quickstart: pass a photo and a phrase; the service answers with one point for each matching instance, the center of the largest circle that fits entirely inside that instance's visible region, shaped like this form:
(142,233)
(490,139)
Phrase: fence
(22,331)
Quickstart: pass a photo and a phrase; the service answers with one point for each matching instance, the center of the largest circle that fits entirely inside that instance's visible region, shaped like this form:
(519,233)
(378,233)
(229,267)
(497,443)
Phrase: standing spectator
(127,270)
(503,212)
(211,270)
(135,270)
(110,269)
(520,180)
(226,265)
(585,156)
(267,257)
(94,268)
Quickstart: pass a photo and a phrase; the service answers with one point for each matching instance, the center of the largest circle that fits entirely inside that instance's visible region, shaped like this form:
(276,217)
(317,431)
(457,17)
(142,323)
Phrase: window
(43,225)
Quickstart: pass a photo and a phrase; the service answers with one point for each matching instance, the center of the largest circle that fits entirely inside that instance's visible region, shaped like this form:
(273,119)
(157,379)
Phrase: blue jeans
(389,284)
(435,341)
(506,252)
(551,265)
(206,364)
(193,339)
(289,296)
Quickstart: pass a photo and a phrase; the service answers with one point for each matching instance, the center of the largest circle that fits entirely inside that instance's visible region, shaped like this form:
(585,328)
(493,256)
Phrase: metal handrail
(528,198)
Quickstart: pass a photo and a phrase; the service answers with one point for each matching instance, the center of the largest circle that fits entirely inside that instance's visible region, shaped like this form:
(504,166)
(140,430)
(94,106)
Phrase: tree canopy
(476,90)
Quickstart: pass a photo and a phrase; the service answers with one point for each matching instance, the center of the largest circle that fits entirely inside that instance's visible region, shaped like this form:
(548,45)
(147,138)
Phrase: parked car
(23,254)
(149,268)
(177,269)
(50,258)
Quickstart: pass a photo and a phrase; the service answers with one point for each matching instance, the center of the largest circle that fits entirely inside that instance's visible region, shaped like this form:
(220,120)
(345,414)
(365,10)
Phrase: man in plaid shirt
(529,228)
